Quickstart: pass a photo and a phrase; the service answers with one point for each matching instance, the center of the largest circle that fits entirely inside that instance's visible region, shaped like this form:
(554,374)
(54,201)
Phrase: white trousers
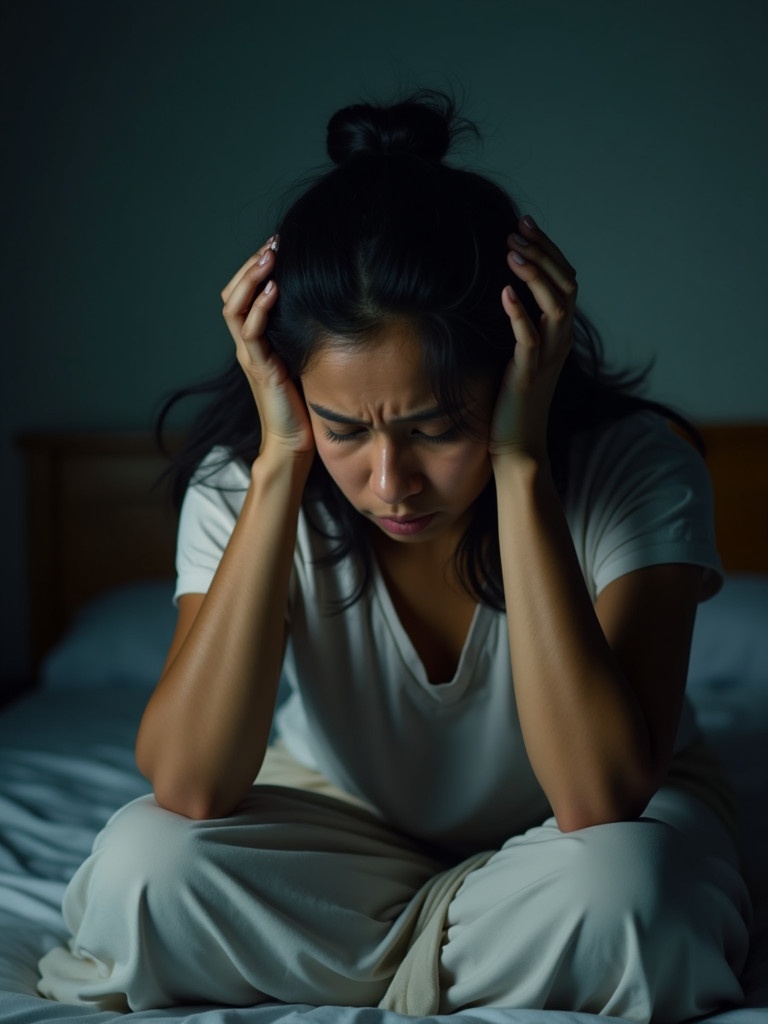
(305,897)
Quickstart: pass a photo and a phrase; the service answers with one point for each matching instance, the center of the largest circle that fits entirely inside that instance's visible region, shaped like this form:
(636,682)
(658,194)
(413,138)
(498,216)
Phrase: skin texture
(599,688)
(389,461)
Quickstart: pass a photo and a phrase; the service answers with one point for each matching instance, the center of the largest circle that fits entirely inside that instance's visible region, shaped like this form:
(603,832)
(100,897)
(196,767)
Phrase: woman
(475,557)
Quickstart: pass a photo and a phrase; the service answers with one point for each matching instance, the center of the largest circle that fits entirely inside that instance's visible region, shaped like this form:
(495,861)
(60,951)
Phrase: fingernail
(518,258)
(263,260)
(529,221)
(268,287)
(274,243)
(520,240)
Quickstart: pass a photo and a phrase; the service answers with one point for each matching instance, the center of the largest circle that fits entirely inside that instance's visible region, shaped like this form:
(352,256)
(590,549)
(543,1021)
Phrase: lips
(405,526)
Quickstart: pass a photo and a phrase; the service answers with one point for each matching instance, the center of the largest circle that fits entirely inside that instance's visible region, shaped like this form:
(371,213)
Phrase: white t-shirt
(447,762)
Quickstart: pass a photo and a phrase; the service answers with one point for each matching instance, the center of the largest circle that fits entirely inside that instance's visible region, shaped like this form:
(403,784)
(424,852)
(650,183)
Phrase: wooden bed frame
(97,516)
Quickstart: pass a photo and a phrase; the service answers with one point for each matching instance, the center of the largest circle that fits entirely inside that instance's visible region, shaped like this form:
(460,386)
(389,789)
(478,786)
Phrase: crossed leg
(302,897)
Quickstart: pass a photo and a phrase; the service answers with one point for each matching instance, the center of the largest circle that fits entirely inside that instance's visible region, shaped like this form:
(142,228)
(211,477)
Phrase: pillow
(121,637)
(730,638)
(728,685)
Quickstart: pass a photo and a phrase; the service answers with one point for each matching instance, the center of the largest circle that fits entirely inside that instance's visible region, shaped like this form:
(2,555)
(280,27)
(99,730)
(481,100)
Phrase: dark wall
(146,144)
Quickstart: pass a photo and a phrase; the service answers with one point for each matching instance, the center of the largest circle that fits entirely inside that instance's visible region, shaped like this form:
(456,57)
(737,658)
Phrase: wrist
(520,465)
(275,466)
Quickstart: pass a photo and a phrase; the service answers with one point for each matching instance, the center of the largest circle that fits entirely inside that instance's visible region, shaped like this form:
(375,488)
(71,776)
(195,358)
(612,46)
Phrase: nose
(394,478)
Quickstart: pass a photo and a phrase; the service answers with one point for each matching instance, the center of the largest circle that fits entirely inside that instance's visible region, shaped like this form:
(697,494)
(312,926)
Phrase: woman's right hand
(285,423)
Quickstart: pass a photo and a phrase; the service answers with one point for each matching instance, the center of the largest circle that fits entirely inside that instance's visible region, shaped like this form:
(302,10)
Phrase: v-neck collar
(453,689)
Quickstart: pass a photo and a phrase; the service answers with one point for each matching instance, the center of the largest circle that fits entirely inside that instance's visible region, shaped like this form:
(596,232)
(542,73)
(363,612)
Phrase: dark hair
(393,233)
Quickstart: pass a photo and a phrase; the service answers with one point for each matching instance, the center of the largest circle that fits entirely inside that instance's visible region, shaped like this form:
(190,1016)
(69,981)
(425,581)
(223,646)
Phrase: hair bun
(422,125)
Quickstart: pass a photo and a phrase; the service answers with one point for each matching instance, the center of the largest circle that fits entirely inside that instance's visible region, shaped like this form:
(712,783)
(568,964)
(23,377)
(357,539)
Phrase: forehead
(385,366)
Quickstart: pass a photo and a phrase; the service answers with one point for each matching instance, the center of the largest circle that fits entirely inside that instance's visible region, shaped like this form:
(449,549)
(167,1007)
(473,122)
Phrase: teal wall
(147,143)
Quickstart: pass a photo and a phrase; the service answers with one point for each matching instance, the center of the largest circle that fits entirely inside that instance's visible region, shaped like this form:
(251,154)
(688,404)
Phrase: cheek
(467,470)
(341,465)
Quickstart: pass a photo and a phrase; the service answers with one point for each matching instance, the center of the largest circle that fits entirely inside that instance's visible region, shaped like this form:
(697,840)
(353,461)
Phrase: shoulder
(637,449)
(218,485)
(645,431)
(211,505)
(220,470)
(639,494)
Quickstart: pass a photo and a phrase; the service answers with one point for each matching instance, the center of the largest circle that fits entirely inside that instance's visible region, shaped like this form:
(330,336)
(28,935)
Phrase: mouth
(404,526)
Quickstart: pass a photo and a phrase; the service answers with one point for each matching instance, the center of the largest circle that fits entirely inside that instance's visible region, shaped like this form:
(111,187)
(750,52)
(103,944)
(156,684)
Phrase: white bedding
(66,764)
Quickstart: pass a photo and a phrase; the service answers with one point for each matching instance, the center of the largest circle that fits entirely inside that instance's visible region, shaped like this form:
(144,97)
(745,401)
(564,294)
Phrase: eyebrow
(435,413)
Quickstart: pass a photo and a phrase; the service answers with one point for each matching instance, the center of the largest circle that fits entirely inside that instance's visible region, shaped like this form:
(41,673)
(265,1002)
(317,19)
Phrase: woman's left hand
(519,423)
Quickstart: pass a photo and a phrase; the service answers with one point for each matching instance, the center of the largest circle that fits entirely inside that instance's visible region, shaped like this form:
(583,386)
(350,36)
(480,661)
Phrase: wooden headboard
(737,457)
(98,515)
(98,518)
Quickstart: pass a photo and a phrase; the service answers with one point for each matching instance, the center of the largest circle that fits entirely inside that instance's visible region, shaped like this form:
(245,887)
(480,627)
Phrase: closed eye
(447,435)
(358,435)
(352,435)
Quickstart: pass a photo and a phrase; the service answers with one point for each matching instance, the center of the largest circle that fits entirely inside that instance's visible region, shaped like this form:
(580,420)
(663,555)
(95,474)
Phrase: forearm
(205,730)
(584,730)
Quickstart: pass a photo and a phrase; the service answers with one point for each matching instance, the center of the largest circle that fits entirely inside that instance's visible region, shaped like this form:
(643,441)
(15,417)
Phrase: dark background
(147,143)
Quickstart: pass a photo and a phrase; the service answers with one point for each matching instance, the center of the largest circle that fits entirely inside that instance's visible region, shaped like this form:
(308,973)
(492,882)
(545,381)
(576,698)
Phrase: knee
(647,879)
(142,848)
(643,893)
(638,871)
(130,907)
(627,919)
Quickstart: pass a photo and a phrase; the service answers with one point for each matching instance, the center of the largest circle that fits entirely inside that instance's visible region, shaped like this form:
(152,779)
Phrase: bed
(101,538)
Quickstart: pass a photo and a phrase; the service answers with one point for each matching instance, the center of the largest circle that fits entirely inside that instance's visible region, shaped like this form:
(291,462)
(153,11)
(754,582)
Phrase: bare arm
(205,729)
(599,689)
(204,733)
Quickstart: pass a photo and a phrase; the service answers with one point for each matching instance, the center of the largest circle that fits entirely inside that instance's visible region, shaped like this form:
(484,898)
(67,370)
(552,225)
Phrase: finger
(255,323)
(240,293)
(526,352)
(270,246)
(251,345)
(546,256)
(532,233)
(555,298)
(253,266)
(247,317)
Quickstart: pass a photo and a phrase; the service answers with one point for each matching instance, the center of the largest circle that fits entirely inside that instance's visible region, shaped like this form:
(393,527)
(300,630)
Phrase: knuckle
(571,287)
(534,253)
(559,314)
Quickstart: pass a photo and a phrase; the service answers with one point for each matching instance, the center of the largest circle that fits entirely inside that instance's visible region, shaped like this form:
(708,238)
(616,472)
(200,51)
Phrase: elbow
(574,812)
(183,792)
(191,802)
(141,758)
(174,790)
(180,795)
(573,819)
(608,792)
(196,809)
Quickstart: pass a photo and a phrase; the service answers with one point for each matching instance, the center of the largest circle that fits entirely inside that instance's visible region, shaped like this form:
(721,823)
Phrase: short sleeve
(639,495)
(209,512)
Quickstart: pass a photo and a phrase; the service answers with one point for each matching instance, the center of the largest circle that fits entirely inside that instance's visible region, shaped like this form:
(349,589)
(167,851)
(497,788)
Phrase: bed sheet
(66,764)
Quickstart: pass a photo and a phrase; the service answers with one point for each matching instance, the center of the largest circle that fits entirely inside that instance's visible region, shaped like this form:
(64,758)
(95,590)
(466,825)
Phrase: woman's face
(390,448)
